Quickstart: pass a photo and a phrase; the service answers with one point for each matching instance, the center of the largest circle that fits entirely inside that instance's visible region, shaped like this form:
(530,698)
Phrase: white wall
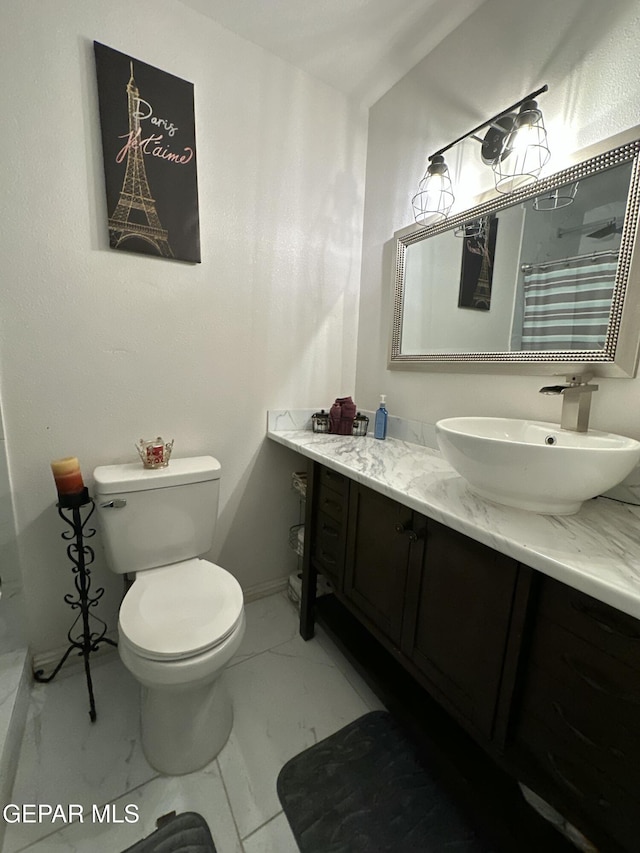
(588,55)
(99,348)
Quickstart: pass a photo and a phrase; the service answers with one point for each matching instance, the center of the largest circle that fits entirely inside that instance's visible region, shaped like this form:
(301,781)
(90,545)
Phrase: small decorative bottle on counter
(380,429)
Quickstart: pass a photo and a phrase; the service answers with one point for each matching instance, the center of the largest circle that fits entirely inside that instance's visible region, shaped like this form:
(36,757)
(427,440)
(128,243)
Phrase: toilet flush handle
(116,503)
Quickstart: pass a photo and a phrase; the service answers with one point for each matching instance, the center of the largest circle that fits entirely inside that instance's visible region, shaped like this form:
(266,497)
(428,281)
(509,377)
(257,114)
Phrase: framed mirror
(544,280)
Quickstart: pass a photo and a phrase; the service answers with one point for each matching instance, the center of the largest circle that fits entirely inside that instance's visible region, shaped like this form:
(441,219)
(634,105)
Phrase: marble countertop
(596,551)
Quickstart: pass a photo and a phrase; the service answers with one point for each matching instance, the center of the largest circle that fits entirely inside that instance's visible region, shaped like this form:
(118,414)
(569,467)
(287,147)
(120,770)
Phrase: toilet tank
(151,517)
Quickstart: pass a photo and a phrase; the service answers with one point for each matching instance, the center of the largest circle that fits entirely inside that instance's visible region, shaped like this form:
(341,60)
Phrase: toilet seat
(181,610)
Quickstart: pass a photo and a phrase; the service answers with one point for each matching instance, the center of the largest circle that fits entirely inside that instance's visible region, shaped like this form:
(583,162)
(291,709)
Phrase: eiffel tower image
(135,214)
(482,294)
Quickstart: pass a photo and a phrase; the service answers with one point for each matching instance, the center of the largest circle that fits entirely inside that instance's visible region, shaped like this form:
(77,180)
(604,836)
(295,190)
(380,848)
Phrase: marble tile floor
(287,695)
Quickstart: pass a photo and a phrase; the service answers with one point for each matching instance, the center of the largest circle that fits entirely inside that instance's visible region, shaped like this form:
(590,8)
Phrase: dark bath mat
(364,790)
(184,833)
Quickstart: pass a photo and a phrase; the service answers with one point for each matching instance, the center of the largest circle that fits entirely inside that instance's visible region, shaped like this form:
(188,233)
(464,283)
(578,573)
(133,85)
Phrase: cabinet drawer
(614,632)
(588,702)
(333,480)
(332,504)
(329,545)
(553,767)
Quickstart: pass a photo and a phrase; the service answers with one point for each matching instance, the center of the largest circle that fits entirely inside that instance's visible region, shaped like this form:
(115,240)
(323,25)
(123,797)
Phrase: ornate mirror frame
(619,356)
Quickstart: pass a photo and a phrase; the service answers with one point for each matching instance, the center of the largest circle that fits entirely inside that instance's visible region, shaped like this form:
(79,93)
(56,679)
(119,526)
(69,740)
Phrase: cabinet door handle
(597,685)
(602,802)
(576,731)
(615,751)
(603,624)
(336,506)
(333,476)
(584,676)
(327,558)
(411,534)
(570,785)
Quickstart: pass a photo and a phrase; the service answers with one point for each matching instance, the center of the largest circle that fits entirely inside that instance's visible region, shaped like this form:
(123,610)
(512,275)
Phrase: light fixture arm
(491,121)
(515,146)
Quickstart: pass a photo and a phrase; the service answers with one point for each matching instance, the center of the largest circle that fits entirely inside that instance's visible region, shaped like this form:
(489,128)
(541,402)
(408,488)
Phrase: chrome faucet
(576,401)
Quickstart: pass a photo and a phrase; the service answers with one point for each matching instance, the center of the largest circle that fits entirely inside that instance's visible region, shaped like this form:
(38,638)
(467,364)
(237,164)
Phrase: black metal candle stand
(72,508)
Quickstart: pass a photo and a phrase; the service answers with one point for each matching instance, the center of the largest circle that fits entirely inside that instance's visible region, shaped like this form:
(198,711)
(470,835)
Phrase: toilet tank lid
(132,477)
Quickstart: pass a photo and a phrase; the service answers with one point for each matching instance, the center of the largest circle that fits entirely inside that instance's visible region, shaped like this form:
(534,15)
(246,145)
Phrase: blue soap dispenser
(380,429)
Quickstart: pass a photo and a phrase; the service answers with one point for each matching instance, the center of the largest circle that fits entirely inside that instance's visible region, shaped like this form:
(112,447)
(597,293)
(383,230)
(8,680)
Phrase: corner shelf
(299,483)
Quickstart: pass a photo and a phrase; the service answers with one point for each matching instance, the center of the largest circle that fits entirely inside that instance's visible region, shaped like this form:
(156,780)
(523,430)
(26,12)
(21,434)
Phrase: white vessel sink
(535,465)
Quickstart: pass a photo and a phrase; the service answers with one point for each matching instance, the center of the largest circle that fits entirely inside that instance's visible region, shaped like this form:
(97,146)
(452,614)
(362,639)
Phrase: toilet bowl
(182,620)
(178,628)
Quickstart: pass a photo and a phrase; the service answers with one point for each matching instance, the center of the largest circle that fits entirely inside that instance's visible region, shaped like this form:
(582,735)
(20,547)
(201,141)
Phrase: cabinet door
(381,543)
(462,603)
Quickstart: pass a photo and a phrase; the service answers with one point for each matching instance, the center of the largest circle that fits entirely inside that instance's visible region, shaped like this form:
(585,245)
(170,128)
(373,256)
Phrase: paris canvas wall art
(478,253)
(149,147)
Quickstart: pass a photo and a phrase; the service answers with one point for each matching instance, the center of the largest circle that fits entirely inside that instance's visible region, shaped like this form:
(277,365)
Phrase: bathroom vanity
(525,628)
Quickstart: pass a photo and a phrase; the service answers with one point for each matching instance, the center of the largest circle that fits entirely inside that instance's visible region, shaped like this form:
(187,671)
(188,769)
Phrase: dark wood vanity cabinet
(440,601)
(546,678)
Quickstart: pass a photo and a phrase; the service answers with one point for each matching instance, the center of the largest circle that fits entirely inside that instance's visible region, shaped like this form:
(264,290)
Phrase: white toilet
(182,620)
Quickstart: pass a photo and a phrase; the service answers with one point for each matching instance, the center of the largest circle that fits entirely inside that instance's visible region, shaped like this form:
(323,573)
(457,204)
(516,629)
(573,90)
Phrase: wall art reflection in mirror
(549,270)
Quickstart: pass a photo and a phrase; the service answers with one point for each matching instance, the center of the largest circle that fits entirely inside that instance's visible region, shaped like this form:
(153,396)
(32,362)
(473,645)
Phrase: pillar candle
(66,473)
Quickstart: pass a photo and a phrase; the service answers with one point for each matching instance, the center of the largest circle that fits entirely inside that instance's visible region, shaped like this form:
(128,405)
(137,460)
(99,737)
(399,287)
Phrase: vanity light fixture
(524,152)
(434,198)
(515,146)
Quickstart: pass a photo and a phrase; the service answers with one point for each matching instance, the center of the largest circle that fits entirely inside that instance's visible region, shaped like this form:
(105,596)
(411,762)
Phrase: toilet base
(183,729)
(186,712)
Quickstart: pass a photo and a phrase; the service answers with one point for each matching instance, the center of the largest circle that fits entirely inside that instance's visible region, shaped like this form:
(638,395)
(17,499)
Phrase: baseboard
(262,590)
